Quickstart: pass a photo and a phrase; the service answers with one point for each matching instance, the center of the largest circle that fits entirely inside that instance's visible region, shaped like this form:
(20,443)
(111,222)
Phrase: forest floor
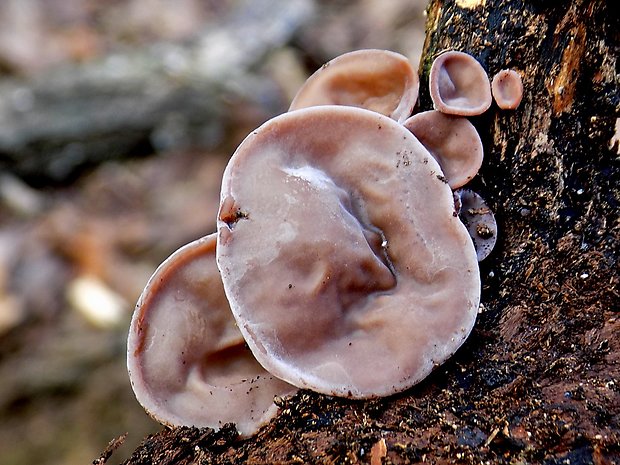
(76,251)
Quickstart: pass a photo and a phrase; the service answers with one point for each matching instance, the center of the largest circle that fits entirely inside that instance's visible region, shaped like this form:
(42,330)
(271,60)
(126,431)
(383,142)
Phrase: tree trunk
(538,381)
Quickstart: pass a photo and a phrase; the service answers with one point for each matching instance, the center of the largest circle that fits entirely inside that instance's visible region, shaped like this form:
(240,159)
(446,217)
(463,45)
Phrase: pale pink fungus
(507,89)
(378,80)
(344,264)
(187,361)
(459,85)
(452,140)
(479,220)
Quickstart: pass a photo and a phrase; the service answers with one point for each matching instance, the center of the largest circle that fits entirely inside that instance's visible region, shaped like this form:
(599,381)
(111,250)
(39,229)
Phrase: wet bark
(538,381)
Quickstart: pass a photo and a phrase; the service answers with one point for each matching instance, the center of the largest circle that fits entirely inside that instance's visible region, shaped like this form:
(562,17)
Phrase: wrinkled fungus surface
(479,220)
(507,89)
(344,264)
(187,361)
(459,85)
(452,140)
(378,80)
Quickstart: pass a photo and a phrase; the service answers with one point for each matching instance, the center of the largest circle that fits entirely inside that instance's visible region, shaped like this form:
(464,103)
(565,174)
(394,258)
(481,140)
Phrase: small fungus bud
(478,219)
(459,85)
(507,89)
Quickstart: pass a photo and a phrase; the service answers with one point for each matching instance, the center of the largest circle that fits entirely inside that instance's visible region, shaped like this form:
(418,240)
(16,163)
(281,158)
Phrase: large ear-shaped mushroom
(188,363)
(346,269)
(452,140)
(459,85)
(378,80)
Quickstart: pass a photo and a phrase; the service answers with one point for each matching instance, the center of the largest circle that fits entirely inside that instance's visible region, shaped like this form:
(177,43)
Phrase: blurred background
(117,118)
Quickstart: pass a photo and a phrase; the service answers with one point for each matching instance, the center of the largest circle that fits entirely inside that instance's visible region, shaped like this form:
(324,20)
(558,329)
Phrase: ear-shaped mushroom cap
(479,220)
(187,361)
(459,85)
(452,140)
(507,89)
(344,264)
(378,80)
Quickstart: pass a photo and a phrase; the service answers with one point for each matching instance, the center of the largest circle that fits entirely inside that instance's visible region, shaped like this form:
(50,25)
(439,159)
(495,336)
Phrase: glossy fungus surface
(459,85)
(378,80)
(452,140)
(187,361)
(479,220)
(507,89)
(344,264)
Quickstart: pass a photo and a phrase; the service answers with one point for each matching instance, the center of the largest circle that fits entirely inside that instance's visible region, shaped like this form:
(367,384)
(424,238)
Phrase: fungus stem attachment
(230,212)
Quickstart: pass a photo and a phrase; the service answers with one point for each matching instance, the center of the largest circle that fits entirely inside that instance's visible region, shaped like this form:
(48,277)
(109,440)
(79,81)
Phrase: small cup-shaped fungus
(478,219)
(378,80)
(452,140)
(344,264)
(459,85)
(187,361)
(507,89)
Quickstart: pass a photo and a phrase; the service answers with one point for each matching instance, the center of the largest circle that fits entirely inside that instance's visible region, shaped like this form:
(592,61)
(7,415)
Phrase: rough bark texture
(538,381)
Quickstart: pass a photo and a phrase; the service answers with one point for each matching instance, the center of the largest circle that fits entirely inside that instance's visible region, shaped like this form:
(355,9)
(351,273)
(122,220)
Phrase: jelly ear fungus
(377,80)
(187,361)
(348,273)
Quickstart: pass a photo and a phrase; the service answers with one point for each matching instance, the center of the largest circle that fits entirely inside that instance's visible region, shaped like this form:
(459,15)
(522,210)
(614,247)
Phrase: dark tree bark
(538,381)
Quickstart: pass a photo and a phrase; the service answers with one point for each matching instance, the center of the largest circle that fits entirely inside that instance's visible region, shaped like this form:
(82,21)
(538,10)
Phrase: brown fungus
(507,89)
(452,140)
(187,361)
(459,85)
(478,219)
(342,260)
(378,80)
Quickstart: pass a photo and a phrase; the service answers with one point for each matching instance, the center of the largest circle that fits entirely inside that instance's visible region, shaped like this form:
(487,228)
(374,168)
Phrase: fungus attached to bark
(507,89)
(478,219)
(188,363)
(452,140)
(378,80)
(344,264)
(459,85)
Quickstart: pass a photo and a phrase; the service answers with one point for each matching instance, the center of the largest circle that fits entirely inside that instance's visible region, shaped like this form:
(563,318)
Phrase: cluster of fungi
(345,257)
